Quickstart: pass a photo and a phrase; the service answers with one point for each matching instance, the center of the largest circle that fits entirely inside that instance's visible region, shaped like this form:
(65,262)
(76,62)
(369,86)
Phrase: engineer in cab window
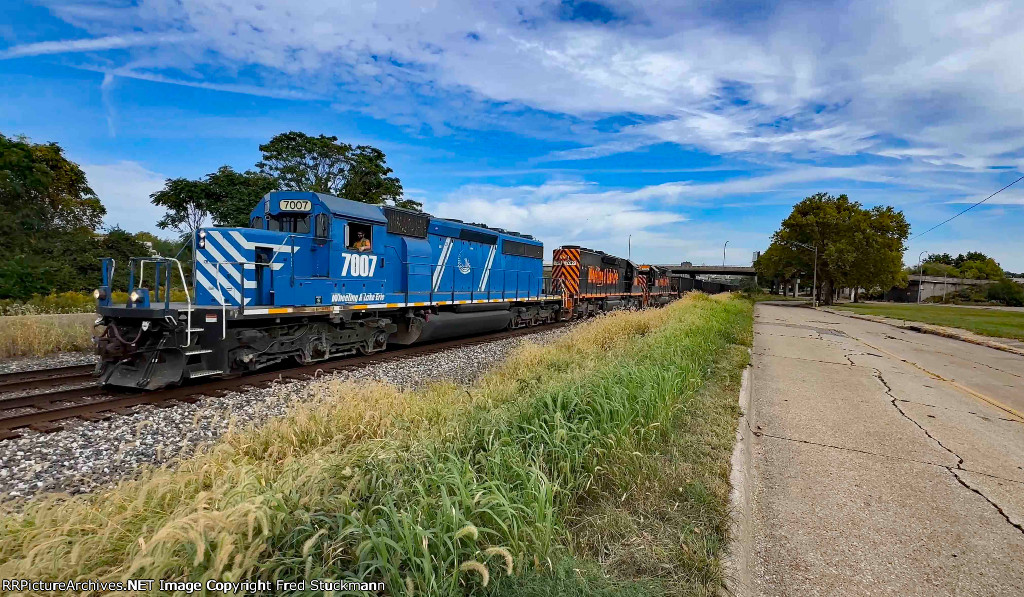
(362,244)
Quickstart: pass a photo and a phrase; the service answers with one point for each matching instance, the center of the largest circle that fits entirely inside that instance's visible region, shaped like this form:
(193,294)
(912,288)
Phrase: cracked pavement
(885,462)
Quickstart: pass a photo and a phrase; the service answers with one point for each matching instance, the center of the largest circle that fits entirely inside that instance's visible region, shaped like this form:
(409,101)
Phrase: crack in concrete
(951,382)
(782,356)
(878,454)
(960,460)
(848,449)
(957,410)
(815,337)
(955,356)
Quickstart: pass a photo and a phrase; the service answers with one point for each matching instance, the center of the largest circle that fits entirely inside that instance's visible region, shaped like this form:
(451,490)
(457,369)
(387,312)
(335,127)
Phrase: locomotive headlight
(96,294)
(135,296)
(99,294)
(202,234)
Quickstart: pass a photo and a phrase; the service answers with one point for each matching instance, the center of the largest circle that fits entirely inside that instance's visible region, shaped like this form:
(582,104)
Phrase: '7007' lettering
(358,265)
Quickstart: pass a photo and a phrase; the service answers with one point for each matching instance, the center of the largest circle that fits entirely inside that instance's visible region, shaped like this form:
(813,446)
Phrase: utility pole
(920,276)
(629,248)
(723,252)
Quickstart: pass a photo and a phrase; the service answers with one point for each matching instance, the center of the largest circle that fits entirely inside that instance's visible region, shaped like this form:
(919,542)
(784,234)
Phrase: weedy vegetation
(38,335)
(66,302)
(597,464)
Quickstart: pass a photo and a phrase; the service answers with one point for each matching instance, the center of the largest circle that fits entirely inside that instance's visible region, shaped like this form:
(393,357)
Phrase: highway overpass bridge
(709,270)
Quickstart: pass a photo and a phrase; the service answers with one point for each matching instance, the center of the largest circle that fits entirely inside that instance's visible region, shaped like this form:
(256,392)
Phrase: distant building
(930,286)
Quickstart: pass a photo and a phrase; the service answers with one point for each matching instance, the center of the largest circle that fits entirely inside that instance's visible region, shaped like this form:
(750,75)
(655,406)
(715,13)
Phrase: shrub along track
(43,411)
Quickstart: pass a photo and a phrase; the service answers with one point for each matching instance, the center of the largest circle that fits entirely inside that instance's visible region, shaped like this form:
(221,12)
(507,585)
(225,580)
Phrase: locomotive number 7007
(358,265)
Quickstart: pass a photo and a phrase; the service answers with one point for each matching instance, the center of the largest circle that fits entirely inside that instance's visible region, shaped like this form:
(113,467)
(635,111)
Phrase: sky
(661,129)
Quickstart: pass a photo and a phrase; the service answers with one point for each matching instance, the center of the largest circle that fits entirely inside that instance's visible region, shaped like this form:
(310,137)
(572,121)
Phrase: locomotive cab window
(288,223)
(256,223)
(358,237)
(323,226)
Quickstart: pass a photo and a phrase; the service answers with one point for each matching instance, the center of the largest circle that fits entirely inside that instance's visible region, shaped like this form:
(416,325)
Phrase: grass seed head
(475,566)
(467,531)
(505,554)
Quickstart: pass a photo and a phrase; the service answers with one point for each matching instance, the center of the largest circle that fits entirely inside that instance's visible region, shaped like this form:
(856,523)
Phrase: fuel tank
(449,325)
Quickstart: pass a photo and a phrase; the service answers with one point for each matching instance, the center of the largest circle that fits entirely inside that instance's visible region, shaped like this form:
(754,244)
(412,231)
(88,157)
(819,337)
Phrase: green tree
(303,163)
(42,192)
(226,197)
(68,202)
(981,269)
(878,237)
(186,204)
(932,268)
(369,180)
(782,263)
(857,247)
(233,195)
(48,214)
(122,246)
(322,164)
(970,256)
(1006,291)
(941,258)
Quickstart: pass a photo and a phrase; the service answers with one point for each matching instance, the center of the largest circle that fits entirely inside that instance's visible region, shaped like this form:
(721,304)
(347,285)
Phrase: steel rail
(25,380)
(44,415)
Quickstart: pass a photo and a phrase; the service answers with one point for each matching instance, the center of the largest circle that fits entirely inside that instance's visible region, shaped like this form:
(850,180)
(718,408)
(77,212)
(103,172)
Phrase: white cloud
(617,221)
(111,42)
(124,188)
(926,93)
(560,212)
(938,78)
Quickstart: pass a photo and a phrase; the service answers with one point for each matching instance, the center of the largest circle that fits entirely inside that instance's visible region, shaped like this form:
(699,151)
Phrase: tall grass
(66,302)
(37,335)
(435,492)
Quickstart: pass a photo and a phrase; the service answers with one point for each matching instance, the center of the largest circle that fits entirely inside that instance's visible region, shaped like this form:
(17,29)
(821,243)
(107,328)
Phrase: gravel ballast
(52,361)
(85,456)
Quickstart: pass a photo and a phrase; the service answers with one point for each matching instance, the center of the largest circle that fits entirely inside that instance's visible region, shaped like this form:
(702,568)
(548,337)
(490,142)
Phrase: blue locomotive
(315,277)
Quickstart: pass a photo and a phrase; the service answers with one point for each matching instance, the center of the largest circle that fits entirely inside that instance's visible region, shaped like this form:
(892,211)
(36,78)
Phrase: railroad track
(44,411)
(42,378)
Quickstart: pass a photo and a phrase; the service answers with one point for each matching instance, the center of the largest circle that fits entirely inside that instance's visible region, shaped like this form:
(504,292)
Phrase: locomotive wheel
(376,344)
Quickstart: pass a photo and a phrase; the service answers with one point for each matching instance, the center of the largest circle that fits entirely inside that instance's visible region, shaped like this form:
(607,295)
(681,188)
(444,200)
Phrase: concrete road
(885,462)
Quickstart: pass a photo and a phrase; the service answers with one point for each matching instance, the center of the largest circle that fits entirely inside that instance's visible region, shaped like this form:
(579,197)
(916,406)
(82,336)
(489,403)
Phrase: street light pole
(920,275)
(723,252)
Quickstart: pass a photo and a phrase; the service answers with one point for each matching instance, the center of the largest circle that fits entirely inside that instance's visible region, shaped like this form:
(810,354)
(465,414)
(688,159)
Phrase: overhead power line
(967,210)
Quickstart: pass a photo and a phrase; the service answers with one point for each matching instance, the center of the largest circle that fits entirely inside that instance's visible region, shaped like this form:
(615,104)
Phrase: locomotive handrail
(504,292)
(167,299)
(290,239)
(241,290)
